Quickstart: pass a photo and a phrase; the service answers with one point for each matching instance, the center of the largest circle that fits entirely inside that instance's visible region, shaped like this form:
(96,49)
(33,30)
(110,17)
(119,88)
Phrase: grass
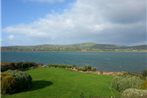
(62,83)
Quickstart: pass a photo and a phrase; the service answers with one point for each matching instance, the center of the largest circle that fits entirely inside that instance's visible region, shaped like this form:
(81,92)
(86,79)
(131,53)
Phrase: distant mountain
(76,47)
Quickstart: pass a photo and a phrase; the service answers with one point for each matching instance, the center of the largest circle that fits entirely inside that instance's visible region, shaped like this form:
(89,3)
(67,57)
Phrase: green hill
(76,47)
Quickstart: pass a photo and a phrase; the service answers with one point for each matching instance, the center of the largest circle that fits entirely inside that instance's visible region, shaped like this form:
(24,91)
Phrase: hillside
(62,83)
(76,47)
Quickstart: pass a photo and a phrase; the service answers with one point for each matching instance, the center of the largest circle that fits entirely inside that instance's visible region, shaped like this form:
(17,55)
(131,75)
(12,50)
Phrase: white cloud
(11,37)
(87,19)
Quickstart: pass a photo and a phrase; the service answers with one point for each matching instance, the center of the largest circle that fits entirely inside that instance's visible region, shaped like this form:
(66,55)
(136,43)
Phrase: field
(62,83)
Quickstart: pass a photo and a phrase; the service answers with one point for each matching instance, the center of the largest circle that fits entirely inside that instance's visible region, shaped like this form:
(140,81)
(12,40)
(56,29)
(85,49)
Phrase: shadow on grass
(39,84)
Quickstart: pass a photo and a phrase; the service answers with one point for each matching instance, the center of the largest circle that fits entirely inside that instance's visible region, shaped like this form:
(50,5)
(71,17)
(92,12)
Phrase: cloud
(11,37)
(101,21)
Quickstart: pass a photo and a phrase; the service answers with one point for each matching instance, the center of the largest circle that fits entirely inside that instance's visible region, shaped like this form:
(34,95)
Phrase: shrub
(121,83)
(7,81)
(93,69)
(60,66)
(134,93)
(144,73)
(84,68)
(144,85)
(17,65)
(88,68)
(21,81)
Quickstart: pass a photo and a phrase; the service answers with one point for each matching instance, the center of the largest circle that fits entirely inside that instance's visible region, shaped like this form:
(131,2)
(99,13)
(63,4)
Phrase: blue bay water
(105,61)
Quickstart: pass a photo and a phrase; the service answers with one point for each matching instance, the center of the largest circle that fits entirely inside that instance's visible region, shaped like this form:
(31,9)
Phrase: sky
(33,22)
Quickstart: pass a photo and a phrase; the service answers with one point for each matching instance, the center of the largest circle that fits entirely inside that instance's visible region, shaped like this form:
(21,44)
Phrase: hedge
(121,83)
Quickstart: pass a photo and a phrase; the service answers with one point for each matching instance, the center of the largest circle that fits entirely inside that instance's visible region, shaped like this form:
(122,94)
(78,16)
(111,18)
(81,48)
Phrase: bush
(134,93)
(144,73)
(19,81)
(93,69)
(144,85)
(17,65)
(84,68)
(121,83)
(60,66)
(7,81)
(88,68)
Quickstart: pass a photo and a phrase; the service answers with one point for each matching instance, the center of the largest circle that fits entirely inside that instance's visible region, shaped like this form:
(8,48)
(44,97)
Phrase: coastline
(97,72)
(144,51)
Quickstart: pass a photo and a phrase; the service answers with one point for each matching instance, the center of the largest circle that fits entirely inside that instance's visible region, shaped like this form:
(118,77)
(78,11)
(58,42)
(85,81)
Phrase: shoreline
(97,72)
(76,68)
(135,51)
(7,65)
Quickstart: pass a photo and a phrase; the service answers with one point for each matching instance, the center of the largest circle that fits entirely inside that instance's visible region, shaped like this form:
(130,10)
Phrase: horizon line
(73,44)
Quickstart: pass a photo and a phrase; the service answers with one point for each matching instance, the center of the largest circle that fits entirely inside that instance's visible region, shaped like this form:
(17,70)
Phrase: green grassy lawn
(62,83)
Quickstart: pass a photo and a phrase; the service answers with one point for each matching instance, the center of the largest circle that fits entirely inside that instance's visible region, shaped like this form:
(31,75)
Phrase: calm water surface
(106,61)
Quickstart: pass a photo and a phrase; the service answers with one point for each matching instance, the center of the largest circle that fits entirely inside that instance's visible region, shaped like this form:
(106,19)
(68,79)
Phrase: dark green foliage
(60,66)
(93,69)
(18,66)
(22,79)
(19,81)
(121,83)
(144,73)
(88,68)
(84,68)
